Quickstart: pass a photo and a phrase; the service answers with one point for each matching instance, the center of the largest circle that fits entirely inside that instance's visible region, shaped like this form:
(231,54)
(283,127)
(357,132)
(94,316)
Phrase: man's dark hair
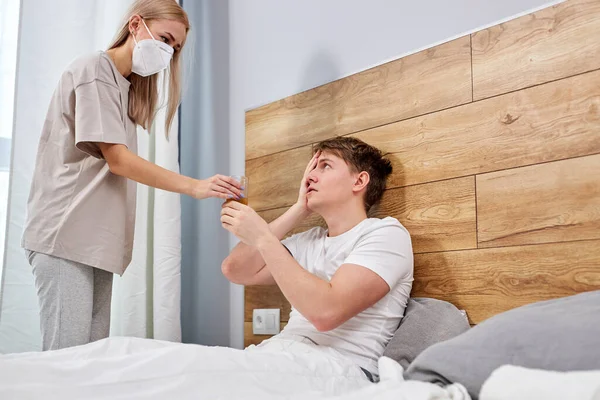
(361,156)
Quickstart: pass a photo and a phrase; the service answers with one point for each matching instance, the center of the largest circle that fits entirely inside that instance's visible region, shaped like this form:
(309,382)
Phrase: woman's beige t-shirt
(77,208)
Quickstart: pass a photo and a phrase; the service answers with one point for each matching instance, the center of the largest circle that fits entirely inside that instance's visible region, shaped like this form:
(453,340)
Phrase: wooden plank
(554,43)
(250,338)
(439,216)
(485,282)
(545,123)
(420,83)
(274,180)
(265,297)
(544,203)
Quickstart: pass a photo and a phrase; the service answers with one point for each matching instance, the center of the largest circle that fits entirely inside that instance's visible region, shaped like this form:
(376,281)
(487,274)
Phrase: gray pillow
(558,335)
(425,323)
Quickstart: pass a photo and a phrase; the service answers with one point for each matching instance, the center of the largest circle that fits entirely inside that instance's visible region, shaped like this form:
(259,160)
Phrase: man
(348,284)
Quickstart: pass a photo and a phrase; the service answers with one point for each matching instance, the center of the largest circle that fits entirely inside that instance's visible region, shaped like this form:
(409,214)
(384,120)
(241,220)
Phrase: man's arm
(374,266)
(327,305)
(245,265)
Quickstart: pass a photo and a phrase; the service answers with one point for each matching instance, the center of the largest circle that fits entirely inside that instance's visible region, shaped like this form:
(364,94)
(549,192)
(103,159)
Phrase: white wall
(278,48)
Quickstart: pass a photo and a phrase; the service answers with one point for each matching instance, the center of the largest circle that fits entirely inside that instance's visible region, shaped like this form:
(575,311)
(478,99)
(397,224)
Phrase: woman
(81,209)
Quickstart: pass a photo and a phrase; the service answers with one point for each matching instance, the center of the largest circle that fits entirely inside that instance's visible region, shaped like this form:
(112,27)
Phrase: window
(9,32)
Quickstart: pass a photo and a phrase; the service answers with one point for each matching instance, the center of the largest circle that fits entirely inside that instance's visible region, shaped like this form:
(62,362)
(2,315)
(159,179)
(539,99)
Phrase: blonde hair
(143,95)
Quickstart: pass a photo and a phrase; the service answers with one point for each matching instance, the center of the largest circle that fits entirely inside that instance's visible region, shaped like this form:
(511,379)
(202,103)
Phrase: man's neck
(343,218)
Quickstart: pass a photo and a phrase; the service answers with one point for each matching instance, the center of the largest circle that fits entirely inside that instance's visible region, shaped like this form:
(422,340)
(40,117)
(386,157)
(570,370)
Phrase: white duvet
(510,382)
(131,368)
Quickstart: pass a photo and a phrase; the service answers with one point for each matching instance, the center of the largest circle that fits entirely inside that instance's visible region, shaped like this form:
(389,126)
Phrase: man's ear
(361,181)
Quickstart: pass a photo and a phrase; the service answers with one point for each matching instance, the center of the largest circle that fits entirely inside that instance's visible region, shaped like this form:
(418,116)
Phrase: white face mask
(150,56)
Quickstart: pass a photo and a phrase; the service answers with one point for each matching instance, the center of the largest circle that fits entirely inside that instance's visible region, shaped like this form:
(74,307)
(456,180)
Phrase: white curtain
(146,299)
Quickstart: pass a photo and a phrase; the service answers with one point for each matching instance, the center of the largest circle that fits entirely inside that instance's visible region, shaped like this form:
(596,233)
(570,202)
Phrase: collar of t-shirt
(343,236)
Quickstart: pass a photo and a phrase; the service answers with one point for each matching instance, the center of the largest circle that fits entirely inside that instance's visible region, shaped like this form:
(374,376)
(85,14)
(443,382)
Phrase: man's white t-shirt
(384,247)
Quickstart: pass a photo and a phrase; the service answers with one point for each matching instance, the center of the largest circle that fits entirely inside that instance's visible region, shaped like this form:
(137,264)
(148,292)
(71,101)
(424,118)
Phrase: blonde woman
(81,208)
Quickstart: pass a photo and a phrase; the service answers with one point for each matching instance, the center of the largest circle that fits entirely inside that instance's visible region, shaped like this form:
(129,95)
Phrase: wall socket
(265,321)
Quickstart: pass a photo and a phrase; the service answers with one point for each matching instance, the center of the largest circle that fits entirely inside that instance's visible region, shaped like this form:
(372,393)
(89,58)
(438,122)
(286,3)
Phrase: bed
(495,142)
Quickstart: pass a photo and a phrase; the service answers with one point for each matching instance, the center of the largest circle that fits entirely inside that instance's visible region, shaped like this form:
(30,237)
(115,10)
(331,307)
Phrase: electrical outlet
(265,321)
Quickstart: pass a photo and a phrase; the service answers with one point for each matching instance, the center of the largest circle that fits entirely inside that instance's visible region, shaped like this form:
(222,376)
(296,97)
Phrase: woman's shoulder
(91,67)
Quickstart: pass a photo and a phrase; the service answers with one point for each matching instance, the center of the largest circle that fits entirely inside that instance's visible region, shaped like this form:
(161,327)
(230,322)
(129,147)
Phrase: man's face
(330,183)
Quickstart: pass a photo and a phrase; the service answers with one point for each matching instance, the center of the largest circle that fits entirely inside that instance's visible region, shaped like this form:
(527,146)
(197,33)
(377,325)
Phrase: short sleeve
(387,251)
(290,244)
(300,243)
(98,117)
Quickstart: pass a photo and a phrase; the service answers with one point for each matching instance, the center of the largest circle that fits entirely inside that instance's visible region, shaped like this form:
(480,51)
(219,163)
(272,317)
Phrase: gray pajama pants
(74,301)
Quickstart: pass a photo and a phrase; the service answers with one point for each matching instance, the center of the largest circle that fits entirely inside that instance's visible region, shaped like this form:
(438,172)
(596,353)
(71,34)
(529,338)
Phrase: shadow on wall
(320,69)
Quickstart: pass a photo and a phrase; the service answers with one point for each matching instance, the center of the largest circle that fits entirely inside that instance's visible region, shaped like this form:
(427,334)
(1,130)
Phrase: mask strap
(150,33)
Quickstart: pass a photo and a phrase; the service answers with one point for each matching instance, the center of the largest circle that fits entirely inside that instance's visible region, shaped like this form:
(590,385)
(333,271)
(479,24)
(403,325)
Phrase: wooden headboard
(495,142)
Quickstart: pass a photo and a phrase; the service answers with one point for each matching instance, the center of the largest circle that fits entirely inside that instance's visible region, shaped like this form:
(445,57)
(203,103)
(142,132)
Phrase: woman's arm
(124,163)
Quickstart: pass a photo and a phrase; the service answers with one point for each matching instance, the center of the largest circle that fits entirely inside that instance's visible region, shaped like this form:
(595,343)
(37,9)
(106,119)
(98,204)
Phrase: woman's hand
(219,186)
(124,163)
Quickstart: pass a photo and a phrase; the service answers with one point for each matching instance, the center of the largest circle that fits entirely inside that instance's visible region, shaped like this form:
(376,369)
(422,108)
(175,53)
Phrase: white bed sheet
(132,368)
(393,387)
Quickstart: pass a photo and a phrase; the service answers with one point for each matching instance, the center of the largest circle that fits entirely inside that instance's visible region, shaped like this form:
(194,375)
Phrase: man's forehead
(325,159)
(327,156)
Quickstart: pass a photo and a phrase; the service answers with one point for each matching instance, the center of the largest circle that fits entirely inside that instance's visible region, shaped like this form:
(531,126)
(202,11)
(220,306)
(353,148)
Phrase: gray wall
(204,142)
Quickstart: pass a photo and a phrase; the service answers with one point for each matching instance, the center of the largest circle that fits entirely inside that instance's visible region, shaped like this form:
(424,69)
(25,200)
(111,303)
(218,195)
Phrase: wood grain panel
(250,338)
(545,123)
(265,297)
(544,203)
(421,83)
(439,216)
(554,43)
(485,282)
(274,180)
